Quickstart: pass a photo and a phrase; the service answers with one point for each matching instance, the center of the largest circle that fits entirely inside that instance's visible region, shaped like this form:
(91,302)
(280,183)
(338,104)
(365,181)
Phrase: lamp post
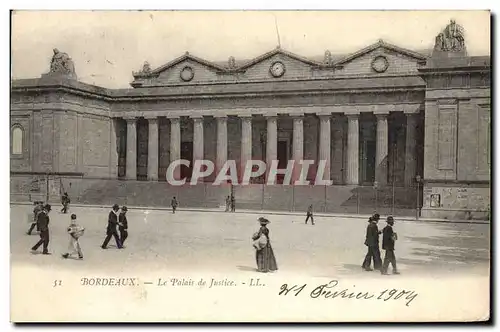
(395,151)
(418,179)
(375,185)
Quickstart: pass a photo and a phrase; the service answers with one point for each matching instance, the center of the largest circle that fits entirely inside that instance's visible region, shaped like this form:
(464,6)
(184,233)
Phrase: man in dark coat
(174,203)
(43,224)
(372,242)
(389,238)
(65,202)
(111,229)
(123,225)
(310,214)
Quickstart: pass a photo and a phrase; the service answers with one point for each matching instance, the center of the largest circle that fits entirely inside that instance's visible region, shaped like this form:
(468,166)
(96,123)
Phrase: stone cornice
(276,111)
(226,90)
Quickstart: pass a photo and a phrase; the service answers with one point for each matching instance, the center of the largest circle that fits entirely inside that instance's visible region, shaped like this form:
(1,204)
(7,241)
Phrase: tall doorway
(187,154)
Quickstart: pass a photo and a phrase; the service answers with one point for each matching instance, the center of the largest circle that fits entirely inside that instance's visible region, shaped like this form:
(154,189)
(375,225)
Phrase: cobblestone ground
(217,241)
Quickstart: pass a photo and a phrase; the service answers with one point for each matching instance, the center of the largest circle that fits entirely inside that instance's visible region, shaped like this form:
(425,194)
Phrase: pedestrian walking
(228,203)
(233,203)
(43,225)
(264,254)
(111,229)
(372,242)
(123,225)
(75,231)
(36,210)
(65,202)
(174,203)
(310,214)
(389,238)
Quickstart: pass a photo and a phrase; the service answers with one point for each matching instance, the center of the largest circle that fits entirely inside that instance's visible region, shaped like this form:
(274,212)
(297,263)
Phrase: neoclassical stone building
(383,116)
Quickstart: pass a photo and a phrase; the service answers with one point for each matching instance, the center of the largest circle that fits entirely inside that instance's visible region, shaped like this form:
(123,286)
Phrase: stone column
(131,170)
(272,140)
(221,142)
(153,149)
(353,149)
(381,155)
(198,145)
(175,144)
(410,150)
(298,145)
(324,143)
(113,148)
(246,141)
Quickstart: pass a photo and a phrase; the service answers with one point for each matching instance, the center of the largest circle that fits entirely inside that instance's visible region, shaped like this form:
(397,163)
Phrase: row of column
(352,174)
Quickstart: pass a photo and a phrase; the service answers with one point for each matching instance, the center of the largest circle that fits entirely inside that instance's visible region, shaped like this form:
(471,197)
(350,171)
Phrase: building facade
(381,117)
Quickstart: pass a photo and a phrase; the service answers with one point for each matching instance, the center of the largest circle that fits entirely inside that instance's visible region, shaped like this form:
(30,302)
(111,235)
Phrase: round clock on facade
(187,74)
(380,64)
(277,69)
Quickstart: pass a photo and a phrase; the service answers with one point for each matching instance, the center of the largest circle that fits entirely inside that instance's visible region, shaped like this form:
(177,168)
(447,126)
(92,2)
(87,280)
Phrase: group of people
(117,221)
(41,221)
(389,238)
(266,261)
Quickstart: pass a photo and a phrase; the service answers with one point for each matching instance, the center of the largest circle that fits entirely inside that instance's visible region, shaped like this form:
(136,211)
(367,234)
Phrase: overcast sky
(107,46)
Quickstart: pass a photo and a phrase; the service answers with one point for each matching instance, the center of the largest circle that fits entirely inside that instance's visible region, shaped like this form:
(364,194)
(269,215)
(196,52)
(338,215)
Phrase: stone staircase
(334,199)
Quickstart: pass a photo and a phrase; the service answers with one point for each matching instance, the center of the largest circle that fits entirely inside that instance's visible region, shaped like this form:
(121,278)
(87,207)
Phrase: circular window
(187,74)
(277,69)
(380,64)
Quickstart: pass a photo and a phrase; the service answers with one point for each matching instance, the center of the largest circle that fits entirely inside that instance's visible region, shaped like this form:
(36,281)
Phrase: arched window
(17,140)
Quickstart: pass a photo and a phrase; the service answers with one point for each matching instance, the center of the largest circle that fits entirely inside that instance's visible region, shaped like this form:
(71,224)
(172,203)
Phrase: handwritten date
(332,290)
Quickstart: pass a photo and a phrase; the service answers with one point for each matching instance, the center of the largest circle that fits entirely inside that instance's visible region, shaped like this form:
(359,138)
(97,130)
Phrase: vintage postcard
(250,166)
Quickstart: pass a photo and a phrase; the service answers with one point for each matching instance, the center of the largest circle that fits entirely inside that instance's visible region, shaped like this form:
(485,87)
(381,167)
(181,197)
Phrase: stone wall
(457,158)
(461,201)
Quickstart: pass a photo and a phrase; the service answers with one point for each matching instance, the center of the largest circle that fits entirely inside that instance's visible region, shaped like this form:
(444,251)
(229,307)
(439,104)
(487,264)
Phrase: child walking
(74,231)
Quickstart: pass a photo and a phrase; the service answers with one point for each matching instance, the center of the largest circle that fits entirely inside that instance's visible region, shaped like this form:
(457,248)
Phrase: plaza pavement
(200,241)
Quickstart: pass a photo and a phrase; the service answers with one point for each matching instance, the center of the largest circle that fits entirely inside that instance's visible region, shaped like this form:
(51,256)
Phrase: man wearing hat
(111,229)
(372,242)
(43,225)
(174,203)
(123,225)
(74,231)
(310,214)
(65,202)
(389,238)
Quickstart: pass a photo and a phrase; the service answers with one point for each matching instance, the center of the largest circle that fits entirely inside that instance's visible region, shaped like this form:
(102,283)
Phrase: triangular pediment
(182,70)
(187,57)
(380,45)
(277,52)
(379,58)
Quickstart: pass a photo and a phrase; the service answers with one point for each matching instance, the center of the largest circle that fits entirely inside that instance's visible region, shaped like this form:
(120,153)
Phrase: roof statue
(146,68)
(62,64)
(145,71)
(328,58)
(451,39)
(231,62)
